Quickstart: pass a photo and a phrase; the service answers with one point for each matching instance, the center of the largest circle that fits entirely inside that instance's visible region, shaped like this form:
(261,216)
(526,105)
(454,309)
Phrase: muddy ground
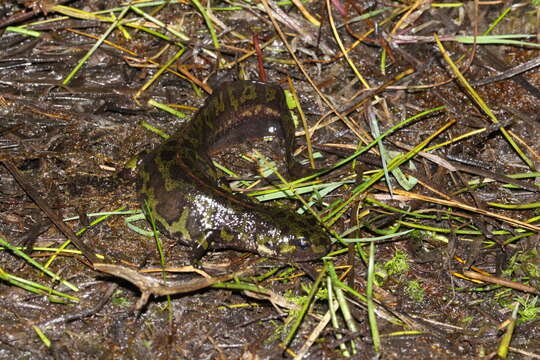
(66,140)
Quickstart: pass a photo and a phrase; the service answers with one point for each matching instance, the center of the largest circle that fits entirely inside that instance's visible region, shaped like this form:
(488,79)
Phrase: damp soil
(71,140)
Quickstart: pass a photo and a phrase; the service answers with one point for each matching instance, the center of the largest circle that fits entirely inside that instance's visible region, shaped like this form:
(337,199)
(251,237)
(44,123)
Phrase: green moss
(528,311)
(119,300)
(525,261)
(398,264)
(415,291)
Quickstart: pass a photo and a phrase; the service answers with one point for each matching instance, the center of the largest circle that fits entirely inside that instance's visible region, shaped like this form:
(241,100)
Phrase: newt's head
(291,236)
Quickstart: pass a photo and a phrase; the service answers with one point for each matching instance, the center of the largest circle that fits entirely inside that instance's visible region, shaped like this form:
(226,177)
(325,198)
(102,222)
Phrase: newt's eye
(302,243)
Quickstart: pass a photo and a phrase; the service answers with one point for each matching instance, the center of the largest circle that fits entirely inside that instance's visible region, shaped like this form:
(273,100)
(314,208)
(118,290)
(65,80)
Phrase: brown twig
(85,313)
(152,286)
(500,281)
(20,17)
(260,63)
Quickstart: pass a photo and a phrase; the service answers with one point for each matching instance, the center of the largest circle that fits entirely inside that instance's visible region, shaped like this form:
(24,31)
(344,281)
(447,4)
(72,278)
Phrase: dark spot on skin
(139,183)
(150,167)
(169,210)
(143,198)
(177,173)
(172,143)
(168,155)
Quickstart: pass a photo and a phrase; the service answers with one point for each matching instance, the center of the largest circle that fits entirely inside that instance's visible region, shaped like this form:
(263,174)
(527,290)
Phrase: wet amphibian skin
(180,185)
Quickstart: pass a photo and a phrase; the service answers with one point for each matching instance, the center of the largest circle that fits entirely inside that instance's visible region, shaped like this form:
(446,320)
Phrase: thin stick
(53,216)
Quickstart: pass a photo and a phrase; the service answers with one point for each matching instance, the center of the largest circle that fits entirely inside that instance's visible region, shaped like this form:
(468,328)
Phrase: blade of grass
(375,337)
(305,12)
(377,238)
(379,174)
(502,351)
(287,185)
(96,45)
(81,14)
(159,23)
(23,31)
(497,21)
(343,305)
(305,72)
(342,48)
(33,286)
(281,192)
(80,232)
(480,102)
(208,22)
(496,40)
(371,144)
(473,209)
(44,339)
(305,307)
(332,305)
(455,139)
(159,246)
(160,71)
(304,122)
(103,213)
(154,129)
(36,264)
(515,206)
(376,133)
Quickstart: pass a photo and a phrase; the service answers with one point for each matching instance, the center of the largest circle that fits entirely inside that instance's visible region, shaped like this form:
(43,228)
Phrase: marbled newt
(180,185)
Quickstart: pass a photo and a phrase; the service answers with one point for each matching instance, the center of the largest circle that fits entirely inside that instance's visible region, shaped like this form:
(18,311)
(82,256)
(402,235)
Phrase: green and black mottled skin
(180,185)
